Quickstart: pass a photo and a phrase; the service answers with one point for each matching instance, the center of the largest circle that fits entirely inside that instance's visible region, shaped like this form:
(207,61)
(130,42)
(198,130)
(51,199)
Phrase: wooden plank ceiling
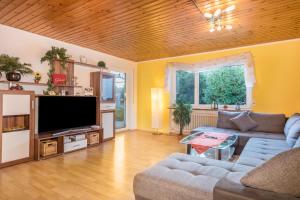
(141,30)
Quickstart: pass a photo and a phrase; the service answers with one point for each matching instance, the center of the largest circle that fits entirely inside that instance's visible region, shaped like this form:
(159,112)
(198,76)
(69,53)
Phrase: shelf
(37,84)
(24,83)
(87,65)
(14,130)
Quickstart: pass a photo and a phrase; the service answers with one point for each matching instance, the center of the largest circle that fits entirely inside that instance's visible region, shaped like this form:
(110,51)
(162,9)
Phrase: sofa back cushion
(293,134)
(279,174)
(270,123)
(224,119)
(293,119)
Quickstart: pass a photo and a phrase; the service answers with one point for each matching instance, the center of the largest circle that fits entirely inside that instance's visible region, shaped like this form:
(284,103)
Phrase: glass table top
(231,140)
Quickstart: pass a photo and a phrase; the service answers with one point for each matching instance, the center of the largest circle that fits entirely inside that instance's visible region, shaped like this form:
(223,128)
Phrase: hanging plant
(55,54)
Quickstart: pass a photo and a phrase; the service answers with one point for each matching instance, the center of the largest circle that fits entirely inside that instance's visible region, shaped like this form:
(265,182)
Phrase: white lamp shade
(157,107)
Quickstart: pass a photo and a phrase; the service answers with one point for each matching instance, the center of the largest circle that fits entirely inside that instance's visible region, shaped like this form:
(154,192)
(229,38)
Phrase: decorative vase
(37,81)
(13,76)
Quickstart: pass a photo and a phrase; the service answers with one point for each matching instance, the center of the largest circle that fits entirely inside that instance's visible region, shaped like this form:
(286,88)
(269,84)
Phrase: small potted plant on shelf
(37,77)
(12,67)
(102,65)
(55,54)
(182,115)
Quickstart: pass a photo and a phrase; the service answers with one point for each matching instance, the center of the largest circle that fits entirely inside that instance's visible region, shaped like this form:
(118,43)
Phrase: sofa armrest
(227,190)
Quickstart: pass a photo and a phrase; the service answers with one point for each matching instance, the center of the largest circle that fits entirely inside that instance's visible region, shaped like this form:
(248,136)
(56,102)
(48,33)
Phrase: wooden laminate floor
(99,173)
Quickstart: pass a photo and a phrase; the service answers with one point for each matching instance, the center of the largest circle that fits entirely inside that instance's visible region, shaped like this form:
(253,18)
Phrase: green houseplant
(55,54)
(12,67)
(102,65)
(182,115)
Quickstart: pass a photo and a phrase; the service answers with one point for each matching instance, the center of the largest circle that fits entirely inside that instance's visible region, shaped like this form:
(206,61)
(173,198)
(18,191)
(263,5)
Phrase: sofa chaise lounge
(185,177)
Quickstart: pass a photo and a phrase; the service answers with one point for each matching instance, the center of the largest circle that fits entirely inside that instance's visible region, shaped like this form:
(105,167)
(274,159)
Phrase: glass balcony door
(120,94)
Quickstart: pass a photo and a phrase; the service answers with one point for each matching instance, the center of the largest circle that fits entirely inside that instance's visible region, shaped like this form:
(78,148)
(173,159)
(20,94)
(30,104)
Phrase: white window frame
(196,105)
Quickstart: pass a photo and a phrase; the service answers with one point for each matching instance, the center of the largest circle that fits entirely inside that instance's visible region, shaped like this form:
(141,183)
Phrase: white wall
(31,47)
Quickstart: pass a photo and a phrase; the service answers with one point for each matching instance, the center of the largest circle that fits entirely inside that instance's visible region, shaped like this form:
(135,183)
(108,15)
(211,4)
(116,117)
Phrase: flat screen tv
(57,113)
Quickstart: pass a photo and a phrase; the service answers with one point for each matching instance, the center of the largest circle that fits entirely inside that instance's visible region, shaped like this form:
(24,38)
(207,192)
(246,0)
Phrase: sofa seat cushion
(184,177)
(258,150)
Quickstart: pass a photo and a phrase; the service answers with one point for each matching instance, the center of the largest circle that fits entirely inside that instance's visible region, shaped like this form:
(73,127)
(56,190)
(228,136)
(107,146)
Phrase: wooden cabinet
(103,84)
(67,142)
(16,127)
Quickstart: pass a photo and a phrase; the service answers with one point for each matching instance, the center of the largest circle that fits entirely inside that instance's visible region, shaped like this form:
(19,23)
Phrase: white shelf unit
(16,127)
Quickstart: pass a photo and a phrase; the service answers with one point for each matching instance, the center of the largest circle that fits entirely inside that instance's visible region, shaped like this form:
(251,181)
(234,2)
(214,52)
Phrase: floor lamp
(156,109)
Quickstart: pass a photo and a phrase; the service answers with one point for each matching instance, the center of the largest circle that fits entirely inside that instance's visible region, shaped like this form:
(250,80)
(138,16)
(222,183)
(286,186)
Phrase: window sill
(220,109)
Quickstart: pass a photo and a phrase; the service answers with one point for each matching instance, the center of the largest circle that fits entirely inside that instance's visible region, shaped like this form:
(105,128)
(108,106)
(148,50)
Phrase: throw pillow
(244,122)
(280,174)
(224,119)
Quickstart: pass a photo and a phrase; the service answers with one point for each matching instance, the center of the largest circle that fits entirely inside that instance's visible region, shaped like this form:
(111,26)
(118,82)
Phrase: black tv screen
(57,113)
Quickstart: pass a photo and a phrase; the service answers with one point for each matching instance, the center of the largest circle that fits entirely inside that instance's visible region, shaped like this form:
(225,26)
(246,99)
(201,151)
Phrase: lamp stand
(156,132)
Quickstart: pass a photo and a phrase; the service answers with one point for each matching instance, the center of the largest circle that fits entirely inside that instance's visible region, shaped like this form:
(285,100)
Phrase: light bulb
(207,15)
(228,27)
(230,8)
(217,12)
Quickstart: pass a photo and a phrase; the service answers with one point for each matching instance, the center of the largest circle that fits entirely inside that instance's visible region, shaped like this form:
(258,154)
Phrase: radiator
(198,118)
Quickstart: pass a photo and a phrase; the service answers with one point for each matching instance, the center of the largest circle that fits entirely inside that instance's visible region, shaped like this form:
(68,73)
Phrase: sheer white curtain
(244,59)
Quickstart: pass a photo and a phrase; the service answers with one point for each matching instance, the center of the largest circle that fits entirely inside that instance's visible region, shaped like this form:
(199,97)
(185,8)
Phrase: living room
(149,100)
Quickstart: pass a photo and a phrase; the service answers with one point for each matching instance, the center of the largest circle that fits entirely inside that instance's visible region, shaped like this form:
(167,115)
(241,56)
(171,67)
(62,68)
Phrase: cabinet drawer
(71,146)
(12,105)
(15,145)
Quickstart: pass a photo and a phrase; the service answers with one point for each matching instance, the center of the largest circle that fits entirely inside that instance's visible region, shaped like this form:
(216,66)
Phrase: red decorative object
(58,79)
(207,140)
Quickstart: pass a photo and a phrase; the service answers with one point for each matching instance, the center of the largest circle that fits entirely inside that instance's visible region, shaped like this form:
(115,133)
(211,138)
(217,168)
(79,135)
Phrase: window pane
(225,86)
(185,87)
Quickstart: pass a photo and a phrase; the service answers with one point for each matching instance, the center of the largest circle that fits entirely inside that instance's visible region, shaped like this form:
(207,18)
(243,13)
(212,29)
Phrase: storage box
(48,147)
(93,138)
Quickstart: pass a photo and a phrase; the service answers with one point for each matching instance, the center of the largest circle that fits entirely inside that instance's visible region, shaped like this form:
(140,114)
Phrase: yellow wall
(277,89)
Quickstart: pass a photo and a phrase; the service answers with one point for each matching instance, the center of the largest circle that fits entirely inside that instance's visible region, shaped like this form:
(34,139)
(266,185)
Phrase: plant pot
(36,81)
(13,76)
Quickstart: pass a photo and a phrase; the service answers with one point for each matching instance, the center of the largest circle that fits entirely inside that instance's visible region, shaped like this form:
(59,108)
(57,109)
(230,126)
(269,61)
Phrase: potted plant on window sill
(12,67)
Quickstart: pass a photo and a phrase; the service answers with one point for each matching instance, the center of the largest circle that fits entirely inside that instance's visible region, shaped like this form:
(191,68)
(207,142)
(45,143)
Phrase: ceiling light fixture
(216,21)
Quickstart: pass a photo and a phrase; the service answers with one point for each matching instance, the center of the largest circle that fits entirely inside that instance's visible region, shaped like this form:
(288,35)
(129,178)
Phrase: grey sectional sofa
(185,177)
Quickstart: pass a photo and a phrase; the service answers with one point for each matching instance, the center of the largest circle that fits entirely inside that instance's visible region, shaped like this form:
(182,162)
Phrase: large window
(225,86)
(185,90)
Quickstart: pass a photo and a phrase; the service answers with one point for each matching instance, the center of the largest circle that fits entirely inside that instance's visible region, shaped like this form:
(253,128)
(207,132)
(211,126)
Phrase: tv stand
(51,145)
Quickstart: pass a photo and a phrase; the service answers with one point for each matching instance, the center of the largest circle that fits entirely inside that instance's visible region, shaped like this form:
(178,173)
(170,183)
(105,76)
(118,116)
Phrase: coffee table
(224,151)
